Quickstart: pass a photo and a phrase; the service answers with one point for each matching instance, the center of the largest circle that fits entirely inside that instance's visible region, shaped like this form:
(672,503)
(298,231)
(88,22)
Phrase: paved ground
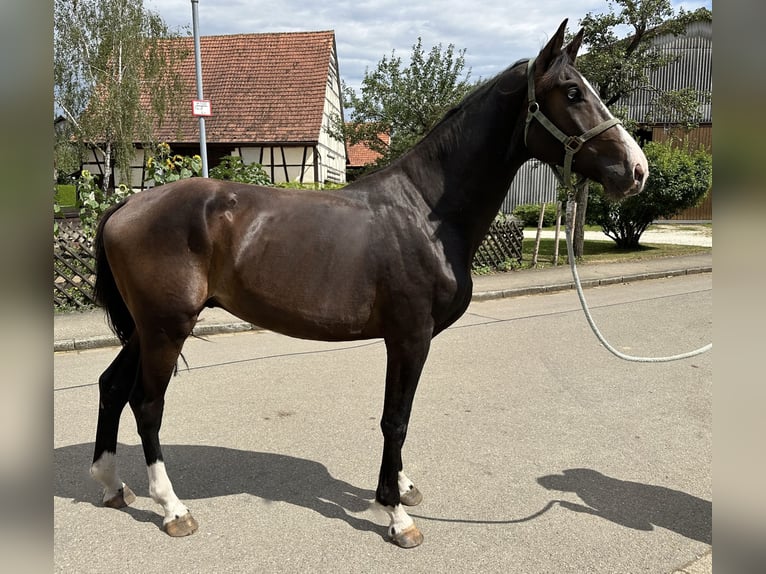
(536,450)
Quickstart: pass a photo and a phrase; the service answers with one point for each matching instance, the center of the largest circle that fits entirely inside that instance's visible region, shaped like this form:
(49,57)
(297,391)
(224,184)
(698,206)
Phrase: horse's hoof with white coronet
(412,497)
(122,499)
(410,537)
(181,526)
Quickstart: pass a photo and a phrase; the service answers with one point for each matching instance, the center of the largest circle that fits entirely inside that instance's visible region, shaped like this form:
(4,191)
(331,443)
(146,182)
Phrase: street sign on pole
(201,108)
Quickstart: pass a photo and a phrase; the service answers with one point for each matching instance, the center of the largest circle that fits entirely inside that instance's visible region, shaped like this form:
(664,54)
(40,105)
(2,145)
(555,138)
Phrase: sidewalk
(88,330)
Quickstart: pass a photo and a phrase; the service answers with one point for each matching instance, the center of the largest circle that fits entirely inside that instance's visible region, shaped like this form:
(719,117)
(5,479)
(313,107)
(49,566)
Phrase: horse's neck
(465,179)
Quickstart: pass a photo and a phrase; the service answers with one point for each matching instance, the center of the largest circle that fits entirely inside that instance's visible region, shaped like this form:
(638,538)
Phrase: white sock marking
(161,491)
(104,470)
(404,483)
(400,520)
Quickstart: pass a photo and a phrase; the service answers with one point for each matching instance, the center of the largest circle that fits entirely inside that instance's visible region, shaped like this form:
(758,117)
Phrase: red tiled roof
(359,155)
(262,87)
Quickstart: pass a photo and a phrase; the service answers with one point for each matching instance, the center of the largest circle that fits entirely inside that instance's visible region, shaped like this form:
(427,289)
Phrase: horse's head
(569,125)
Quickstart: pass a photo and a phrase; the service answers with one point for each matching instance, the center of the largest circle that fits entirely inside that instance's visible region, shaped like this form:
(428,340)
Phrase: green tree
(680,179)
(404,101)
(617,67)
(105,54)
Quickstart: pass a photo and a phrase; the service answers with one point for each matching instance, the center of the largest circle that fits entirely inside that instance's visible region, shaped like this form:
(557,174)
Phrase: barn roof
(263,88)
(360,155)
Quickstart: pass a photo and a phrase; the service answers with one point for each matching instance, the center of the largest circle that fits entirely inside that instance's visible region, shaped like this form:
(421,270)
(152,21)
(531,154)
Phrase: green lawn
(66,195)
(603,252)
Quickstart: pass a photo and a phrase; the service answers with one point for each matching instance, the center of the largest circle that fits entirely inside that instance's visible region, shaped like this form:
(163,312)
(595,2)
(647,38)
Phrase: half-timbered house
(273,100)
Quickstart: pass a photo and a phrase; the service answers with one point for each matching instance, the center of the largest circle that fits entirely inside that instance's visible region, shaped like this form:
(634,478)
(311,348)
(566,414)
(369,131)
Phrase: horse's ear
(552,49)
(574,46)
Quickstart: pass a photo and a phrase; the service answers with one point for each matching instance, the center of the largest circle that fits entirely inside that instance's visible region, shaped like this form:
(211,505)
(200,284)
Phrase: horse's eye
(573,94)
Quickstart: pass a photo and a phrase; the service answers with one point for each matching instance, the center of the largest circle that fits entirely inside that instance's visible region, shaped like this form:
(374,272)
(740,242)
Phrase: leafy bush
(299,185)
(232,168)
(679,178)
(94,201)
(529,214)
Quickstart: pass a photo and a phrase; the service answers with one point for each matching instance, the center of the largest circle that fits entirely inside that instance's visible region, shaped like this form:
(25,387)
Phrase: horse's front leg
(158,357)
(405,364)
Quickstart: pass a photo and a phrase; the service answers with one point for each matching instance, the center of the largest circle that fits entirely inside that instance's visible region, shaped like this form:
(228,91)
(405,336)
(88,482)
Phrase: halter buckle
(573,143)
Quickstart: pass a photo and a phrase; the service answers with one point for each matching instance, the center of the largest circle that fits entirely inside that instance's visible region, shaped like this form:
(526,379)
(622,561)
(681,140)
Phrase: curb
(587,283)
(101,341)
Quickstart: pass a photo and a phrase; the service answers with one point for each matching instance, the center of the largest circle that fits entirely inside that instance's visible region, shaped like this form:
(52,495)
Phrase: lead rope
(570,212)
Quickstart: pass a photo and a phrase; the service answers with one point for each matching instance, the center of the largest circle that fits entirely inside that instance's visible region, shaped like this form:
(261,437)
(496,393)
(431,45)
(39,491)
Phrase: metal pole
(198,62)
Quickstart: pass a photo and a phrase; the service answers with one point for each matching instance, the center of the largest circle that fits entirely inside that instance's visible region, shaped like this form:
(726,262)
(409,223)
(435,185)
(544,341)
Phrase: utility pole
(198,65)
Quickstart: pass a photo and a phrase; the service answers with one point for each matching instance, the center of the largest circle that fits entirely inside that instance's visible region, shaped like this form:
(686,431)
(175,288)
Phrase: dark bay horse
(388,256)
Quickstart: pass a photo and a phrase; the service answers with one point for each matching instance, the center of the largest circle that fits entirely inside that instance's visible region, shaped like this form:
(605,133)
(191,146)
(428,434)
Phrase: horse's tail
(105,291)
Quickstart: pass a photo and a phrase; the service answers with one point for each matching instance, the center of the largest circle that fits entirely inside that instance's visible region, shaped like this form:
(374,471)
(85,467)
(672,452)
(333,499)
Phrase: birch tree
(106,53)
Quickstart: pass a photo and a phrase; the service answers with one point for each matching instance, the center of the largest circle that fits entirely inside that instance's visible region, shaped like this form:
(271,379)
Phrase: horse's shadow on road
(201,472)
(634,504)
(629,504)
(212,471)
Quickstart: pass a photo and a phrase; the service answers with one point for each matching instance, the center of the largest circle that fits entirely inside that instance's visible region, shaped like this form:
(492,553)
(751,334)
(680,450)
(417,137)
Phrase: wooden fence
(500,247)
(74,264)
(74,267)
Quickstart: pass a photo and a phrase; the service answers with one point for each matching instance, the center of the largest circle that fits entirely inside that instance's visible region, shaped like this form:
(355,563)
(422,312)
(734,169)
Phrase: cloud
(494,33)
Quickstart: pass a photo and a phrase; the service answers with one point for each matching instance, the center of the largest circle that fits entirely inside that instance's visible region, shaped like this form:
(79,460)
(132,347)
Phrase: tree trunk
(107,168)
(578,235)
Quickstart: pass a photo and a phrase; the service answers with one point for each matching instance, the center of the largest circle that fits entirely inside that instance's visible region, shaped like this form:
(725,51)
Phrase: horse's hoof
(412,497)
(181,526)
(410,537)
(122,499)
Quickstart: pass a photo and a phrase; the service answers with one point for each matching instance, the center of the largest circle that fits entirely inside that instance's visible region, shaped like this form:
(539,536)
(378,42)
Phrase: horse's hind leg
(115,386)
(405,364)
(159,352)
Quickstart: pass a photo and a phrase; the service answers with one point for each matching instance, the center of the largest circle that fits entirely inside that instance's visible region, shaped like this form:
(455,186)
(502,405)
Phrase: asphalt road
(536,450)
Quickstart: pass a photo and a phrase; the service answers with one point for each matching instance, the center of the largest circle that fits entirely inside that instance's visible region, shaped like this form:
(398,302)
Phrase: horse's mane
(479,93)
(438,137)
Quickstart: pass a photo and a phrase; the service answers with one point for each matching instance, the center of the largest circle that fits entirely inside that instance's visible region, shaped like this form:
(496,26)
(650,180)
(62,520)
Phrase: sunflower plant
(163,166)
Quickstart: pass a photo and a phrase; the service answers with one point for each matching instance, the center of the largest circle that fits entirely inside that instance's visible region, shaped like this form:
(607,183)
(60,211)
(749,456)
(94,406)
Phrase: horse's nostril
(638,173)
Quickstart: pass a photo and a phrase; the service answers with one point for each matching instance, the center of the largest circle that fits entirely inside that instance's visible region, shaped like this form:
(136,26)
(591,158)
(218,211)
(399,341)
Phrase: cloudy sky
(494,33)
